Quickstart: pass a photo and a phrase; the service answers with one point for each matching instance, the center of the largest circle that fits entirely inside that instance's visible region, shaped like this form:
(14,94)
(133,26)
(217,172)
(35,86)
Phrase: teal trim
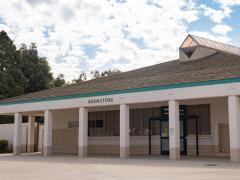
(122,91)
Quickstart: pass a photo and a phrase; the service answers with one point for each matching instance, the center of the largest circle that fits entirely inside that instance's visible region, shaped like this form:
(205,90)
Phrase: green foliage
(8,53)
(35,69)
(81,78)
(110,72)
(3,145)
(59,81)
(12,80)
(97,74)
(21,71)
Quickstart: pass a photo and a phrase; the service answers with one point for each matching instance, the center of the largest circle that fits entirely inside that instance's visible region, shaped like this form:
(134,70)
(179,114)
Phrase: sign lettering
(100,100)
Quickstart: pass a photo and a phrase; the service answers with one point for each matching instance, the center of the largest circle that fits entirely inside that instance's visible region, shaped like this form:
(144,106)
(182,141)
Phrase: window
(189,51)
(204,123)
(99,123)
(139,121)
(189,46)
(104,123)
(108,123)
(156,112)
(136,122)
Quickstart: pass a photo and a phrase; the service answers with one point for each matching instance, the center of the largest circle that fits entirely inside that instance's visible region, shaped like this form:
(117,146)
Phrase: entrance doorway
(164,135)
(164,130)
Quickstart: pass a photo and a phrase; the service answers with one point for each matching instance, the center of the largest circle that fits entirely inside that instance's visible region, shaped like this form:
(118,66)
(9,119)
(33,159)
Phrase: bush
(3,145)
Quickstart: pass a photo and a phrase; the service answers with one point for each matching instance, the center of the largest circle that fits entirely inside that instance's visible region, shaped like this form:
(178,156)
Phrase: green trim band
(122,91)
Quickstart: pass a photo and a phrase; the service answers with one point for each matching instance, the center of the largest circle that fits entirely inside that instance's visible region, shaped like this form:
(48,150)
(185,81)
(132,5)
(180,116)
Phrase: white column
(174,130)
(83,132)
(234,127)
(124,131)
(47,137)
(17,140)
(31,133)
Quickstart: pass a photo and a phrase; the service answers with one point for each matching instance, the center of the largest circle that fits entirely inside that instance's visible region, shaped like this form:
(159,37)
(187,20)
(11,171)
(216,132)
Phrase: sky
(83,35)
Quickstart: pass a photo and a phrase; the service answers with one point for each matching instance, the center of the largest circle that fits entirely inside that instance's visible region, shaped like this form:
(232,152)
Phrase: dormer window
(189,51)
(189,46)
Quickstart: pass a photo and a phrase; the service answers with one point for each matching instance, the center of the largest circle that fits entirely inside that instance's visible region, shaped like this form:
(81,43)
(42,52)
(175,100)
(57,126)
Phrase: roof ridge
(213,41)
(129,71)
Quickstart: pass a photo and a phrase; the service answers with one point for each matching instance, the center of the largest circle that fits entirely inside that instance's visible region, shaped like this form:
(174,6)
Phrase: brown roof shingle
(217,66)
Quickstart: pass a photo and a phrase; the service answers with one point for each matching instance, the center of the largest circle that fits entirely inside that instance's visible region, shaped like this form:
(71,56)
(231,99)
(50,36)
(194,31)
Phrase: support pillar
(234,127)
(31,134)
(124,131)
(17,141)
(47,137)
(83,132)
(174,130)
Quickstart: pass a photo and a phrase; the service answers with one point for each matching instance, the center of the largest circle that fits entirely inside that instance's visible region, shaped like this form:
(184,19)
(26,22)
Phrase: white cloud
(228,2)
(216,16)
(225,10)
(221,29)
(61,28)
(219,38)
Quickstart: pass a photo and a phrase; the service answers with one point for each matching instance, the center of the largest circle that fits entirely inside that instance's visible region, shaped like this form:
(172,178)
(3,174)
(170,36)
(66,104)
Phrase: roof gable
(216,45)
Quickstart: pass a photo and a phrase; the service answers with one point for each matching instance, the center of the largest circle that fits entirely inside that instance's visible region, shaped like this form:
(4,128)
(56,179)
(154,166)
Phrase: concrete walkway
(68,167)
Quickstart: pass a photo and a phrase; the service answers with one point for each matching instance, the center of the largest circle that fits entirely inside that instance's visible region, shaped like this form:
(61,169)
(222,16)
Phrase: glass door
(183,135)
(164,134)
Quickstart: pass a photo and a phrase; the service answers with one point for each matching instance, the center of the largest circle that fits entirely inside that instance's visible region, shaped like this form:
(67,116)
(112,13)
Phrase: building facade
(186,107)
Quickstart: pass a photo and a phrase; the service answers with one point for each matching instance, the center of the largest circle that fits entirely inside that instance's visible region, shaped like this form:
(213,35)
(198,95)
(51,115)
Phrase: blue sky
(83,35)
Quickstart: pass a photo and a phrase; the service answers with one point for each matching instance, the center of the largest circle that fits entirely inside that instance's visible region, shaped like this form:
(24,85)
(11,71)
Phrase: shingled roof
(217,66)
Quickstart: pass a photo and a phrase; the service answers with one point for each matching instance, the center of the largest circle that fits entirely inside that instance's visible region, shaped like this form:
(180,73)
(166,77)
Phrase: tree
(35,69)
(12,80)
(81,78)
(110,72)
(21,71)
(96,74)
(59,81)
(8,53)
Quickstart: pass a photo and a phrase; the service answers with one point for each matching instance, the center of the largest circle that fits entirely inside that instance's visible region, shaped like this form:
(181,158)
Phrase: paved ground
(36,167)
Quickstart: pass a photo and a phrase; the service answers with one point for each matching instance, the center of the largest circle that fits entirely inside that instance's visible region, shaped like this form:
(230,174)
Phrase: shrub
(3,145)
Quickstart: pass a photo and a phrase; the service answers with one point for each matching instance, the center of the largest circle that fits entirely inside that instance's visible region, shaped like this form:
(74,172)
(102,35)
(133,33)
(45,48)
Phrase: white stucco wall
(61,118)
(219,114)
(6,132)
(40,138)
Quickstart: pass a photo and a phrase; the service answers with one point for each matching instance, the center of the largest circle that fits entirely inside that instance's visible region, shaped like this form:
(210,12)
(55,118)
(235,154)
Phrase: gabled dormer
(191,49)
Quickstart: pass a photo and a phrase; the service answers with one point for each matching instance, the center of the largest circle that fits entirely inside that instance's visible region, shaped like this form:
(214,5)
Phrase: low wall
(7,132)
(66,140)
(139,145)
(205,146)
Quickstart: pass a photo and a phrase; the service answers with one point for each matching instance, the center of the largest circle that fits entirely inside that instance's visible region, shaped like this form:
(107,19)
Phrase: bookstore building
(185,107)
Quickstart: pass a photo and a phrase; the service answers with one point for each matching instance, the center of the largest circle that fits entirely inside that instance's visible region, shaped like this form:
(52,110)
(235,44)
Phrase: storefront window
(202,112)
(104,123)
(108,123)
